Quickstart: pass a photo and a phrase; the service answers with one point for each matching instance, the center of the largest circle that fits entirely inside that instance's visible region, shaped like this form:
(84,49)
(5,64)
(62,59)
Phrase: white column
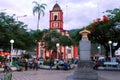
(110,42)
(11,41)
(57,45)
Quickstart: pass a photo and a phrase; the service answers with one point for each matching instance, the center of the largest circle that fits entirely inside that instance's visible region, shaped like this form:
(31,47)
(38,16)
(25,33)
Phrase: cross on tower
(56,1)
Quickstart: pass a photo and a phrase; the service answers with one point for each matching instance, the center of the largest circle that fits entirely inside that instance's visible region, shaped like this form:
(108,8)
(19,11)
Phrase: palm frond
(35,2)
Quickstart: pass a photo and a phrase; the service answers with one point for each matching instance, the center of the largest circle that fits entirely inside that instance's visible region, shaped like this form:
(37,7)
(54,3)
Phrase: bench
(111,63)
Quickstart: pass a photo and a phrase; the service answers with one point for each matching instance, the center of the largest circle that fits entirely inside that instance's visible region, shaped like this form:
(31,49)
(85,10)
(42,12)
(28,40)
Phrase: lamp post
(67,53)
(11,41)
(99,49)
(57,45)
(110,42)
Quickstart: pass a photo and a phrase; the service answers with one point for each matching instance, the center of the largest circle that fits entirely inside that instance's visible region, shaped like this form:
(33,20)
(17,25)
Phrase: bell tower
(56,17)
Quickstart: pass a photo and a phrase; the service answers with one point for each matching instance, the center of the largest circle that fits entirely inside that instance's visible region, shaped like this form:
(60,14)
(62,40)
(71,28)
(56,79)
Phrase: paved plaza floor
(43,75)
(60,75)
(109,75)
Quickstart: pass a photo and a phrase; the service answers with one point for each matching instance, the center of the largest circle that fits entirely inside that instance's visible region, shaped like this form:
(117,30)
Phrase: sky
(76,13)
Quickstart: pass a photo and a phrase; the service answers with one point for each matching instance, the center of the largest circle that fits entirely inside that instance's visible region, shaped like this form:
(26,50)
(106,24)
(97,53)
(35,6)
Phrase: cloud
(77,13)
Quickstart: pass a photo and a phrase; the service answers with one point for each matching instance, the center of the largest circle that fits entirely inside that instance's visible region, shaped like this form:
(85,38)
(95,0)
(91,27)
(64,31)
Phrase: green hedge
(47,62)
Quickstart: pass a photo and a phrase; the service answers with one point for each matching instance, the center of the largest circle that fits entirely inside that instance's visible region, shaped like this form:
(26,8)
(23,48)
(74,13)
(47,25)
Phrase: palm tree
(38,9)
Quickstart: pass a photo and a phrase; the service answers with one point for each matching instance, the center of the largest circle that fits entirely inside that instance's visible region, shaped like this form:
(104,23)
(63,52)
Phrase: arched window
(55,17)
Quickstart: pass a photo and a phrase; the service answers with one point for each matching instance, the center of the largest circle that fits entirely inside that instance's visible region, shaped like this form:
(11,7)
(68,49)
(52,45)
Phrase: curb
(54,68)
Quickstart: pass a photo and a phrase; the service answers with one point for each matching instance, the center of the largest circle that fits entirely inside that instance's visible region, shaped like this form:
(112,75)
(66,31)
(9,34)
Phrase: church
(56,23)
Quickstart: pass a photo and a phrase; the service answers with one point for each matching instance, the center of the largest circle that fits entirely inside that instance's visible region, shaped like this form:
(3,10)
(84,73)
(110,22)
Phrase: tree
(53,37)
(38,35)
(11,29)
(75,36)
(65,41)
(38,9)
(104,30)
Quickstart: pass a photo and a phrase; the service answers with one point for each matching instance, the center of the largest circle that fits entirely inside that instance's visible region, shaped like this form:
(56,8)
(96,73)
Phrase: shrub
(47,62)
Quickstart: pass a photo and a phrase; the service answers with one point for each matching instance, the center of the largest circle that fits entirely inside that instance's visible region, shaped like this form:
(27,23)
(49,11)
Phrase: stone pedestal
(84,49)
(84,69)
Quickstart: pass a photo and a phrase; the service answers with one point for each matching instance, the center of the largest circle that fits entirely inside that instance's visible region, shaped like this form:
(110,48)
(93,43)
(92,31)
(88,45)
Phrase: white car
(101,59)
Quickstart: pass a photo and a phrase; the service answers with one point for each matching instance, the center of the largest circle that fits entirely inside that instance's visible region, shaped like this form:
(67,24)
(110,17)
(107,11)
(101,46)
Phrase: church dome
(56,7)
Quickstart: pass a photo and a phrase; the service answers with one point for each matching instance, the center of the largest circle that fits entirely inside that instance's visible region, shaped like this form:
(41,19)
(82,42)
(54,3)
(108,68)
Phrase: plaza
(43,74)
(51,54)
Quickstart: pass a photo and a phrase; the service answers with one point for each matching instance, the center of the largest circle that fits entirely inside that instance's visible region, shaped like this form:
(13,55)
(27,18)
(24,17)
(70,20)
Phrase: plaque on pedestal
(84,49)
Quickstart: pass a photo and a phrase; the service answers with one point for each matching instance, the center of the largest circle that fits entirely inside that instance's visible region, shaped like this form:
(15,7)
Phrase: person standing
(51,63)
(35,64)
(57,65)
(26,64)
(30,63)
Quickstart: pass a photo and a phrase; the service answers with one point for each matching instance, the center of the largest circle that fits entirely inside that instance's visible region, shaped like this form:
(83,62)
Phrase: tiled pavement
(108,75)
(43,75)
(60,75)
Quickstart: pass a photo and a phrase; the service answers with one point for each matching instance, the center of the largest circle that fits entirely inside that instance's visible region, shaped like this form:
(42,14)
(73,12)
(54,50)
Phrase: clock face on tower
(55,25)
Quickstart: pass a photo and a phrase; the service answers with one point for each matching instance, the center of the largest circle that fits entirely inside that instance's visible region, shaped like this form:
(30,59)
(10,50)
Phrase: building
(56,23)
(117,52)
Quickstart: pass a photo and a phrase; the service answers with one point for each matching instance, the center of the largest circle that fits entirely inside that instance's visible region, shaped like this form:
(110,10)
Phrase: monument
(84,70)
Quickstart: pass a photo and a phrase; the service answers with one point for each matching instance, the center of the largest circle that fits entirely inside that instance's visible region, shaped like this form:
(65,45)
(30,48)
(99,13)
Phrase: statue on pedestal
(84,45)
(84,33)
(85,65)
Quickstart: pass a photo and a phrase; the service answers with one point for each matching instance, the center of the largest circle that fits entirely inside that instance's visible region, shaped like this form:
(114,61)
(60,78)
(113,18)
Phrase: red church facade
(56,18)
(56,23)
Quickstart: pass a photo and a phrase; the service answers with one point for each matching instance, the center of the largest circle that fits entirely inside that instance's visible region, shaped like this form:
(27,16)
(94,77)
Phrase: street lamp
(66,53)
(110,42)
(11,41)
(99,51)
(57,45)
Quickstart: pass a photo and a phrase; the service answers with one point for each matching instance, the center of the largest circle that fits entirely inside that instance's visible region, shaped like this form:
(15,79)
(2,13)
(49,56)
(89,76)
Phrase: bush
(1,58)
(47,62)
